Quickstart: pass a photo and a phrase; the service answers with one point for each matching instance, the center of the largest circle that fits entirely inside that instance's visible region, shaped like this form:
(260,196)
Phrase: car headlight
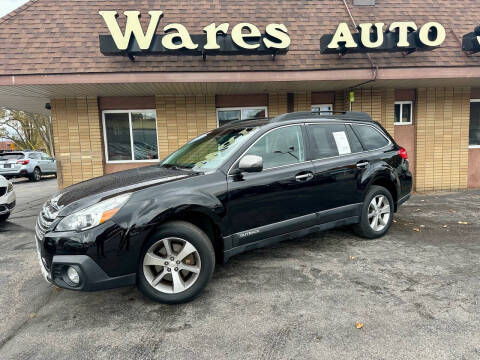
(93,215)
(10,187)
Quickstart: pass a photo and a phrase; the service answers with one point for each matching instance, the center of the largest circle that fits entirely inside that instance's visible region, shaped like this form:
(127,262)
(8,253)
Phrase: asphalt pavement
(413,294)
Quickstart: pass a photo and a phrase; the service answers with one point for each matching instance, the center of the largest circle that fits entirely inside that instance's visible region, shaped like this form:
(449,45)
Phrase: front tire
(176,263)
(377,213)
(36,175)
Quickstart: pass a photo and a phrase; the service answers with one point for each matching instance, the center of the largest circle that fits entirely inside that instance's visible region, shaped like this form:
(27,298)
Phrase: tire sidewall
(364,223)
(205,250)
(33,174)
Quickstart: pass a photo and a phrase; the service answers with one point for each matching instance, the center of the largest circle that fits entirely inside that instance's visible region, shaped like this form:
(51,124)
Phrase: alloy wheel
(378,212)
(37,175)
(171,265)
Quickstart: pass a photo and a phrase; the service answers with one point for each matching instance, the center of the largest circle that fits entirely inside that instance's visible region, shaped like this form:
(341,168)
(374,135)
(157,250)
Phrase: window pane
(224,116)
(397,113)
(253,114)
(329,140)
(144,135)
(354,142)
(11,156)
(326,109)
(474,123)
(280,147)
(370,138)
(406,112)
(117,129)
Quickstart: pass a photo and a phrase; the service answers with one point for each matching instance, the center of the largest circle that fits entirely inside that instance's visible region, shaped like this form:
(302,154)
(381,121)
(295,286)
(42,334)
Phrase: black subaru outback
(242,186)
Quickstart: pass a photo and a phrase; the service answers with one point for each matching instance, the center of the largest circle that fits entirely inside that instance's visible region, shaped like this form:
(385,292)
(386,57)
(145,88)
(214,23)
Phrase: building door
(405,131)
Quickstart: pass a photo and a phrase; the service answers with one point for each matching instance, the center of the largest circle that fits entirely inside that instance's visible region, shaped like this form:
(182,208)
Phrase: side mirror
(251,163)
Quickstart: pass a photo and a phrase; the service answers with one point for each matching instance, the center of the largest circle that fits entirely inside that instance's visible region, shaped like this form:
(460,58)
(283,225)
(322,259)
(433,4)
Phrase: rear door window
(35,156)
(370,137)
(330,140)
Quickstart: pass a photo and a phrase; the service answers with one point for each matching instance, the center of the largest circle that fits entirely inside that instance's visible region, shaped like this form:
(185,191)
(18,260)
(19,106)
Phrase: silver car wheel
(172,265)
(378,212)
(36,174)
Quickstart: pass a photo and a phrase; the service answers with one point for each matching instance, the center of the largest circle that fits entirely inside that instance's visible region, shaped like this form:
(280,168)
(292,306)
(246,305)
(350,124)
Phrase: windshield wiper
(176,167)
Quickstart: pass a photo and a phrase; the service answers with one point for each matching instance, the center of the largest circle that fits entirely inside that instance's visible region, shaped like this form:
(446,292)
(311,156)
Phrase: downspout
(374,65)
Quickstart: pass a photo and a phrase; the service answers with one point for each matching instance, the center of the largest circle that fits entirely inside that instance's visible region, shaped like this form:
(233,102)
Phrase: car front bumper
(92,277)
(93,253)
(7,203)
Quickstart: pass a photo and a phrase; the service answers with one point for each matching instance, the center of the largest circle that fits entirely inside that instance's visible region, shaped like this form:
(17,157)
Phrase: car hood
(93,190)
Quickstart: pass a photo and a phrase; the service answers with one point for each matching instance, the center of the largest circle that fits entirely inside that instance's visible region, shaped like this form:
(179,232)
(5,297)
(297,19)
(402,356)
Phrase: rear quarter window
(370,137)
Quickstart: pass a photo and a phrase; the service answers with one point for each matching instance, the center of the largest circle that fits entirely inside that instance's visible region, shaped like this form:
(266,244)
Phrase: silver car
(30,164)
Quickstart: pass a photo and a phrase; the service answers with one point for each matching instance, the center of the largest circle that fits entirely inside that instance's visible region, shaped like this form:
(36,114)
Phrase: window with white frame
(225,115)
(324,109)
(130,135)
(474,137)
(403,112)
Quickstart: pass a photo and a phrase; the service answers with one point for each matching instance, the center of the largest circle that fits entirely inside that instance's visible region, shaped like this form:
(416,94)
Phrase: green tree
(26,130)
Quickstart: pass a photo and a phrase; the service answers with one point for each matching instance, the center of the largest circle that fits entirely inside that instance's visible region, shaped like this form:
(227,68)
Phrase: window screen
(370,138)
(474,138)
(224,116)
(131,135)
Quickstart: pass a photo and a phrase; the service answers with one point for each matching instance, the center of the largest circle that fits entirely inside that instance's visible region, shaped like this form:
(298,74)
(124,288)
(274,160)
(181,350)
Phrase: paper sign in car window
(342,142)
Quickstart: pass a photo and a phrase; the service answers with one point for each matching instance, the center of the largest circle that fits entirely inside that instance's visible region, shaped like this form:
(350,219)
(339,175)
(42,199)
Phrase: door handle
(304,177)
(362,164)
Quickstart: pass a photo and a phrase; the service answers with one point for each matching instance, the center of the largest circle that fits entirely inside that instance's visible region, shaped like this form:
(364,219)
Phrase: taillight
(403,153)
(23,162)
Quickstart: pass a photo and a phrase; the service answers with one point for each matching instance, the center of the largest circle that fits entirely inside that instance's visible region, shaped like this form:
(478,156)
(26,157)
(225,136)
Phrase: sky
(8,5)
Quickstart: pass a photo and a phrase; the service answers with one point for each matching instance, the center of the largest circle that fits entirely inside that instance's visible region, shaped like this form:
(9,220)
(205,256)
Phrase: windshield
(210,150)
(11,156)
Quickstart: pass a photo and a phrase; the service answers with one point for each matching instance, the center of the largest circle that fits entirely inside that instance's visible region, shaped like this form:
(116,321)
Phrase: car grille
(44,221)
(3,190)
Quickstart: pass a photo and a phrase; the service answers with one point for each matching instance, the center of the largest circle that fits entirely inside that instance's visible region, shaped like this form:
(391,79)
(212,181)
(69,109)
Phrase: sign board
(221,39)
(400,36)
(471,41)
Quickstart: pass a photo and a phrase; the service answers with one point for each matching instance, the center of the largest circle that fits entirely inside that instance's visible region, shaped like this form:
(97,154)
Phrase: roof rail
(344,115)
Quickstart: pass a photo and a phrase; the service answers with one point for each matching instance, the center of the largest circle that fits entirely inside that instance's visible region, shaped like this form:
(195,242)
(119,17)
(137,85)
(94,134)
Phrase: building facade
(120,100)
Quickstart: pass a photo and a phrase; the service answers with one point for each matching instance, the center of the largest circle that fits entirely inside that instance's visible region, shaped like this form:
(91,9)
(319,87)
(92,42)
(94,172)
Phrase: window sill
(131,161)
(474,146)
(403,123)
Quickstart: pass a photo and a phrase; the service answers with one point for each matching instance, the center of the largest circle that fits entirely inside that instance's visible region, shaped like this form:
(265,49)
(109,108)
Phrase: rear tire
(377,213)
(36,175)
(165,274)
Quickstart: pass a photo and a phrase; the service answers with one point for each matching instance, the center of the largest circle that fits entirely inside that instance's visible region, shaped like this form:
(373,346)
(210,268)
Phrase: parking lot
(415,291)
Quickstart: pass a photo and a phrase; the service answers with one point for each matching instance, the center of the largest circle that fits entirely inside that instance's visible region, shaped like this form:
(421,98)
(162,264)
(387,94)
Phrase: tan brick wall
(277,104)
(442,125)
(77,137)
(182,118)
(341,101)
(379,103)
(302,101)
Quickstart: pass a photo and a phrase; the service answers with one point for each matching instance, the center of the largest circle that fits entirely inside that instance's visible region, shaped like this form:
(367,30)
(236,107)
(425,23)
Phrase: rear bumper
(92,277)
(15,172)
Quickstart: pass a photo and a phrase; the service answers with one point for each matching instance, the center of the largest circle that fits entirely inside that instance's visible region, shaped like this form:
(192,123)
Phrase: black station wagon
(247,184)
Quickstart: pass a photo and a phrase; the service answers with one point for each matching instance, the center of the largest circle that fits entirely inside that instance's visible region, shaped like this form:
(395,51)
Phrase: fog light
(73,276)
